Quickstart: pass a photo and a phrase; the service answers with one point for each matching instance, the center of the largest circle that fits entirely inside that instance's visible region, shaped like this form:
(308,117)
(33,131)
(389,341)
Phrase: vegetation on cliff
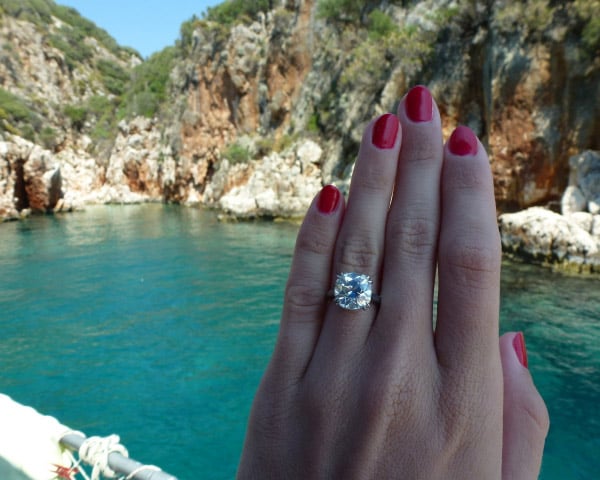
(77,28)
(95,68)
(238,11)
(247,79)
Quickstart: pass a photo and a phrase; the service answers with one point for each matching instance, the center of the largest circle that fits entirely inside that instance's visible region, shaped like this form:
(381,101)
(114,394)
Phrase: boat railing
(39,447)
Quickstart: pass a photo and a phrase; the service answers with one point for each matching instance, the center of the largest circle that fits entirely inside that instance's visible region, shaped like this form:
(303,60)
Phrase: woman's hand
(380,393)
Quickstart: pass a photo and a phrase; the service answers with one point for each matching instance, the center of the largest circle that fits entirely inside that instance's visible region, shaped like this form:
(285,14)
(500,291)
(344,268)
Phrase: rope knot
(95,452)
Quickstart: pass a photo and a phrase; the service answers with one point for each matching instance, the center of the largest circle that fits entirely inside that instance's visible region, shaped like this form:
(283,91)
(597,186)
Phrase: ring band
(353,291)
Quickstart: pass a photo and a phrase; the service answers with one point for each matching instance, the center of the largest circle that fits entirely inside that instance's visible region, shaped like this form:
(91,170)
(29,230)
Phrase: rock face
(32,179)
(521,74)
(279,185)
(583,192)
(571,240)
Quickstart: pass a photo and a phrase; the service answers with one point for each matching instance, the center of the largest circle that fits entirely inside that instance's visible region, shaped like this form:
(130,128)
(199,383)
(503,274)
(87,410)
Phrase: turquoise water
(156,322)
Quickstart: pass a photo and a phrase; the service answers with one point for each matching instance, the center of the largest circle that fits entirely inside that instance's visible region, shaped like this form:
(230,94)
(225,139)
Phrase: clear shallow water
(156,322)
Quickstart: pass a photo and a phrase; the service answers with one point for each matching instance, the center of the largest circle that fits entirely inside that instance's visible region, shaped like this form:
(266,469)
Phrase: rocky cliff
(262,109)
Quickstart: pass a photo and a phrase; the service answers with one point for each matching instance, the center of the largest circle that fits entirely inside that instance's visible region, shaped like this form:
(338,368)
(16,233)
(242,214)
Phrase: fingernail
(385,131)
(419,104)
(328,199)
(462,141)
(519,346)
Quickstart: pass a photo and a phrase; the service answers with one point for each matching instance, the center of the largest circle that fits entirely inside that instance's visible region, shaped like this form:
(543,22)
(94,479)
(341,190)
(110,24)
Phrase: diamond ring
(354,291)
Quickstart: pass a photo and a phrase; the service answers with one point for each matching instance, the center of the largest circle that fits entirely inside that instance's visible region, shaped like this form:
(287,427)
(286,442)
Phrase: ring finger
(360,242)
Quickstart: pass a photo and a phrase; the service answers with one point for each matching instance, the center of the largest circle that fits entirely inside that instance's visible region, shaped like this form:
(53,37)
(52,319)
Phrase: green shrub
(380,25)
(237,11)
(341,10)
(77,115)
(14,107)
(237,153)
(17,117)
(148,88)
(27,131)
(40,13)
(587,13)
(86,27)
(284,142)
(48,138)
(533,15)
(114,77)
(372,59)
(591,35)
(100,105)
(72,43)
(313,124)
(369,62)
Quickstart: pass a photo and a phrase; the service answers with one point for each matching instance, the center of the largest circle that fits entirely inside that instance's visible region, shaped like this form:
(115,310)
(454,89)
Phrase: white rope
(95,452)
(77,463)
(143,468)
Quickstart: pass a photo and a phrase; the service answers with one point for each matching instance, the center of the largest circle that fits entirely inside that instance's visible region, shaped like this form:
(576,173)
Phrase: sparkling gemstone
(353,291)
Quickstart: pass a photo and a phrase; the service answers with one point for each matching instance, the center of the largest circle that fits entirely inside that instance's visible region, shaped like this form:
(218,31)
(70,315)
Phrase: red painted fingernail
(385,131)
(328,199)
(419,104)
(519,346)
(462,141)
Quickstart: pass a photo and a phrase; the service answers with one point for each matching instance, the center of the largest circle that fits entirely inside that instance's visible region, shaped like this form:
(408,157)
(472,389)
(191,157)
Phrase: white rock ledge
(542,236)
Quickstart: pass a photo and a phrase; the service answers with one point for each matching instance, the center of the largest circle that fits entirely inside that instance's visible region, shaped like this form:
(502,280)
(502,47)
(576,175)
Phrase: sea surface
(155,322)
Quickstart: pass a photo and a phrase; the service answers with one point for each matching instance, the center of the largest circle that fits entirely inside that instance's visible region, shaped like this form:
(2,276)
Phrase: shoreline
(514,251)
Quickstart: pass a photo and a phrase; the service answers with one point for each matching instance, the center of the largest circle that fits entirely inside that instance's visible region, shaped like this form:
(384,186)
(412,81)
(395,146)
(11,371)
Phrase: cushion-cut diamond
(353,291)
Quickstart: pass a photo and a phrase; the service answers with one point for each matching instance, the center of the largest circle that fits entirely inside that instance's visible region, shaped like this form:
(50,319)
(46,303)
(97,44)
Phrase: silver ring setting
(354,291)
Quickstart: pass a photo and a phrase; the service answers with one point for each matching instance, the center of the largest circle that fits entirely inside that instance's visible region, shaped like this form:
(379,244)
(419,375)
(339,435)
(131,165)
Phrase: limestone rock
(584,219)
(585,177)
(278,185)
(546,237)
(572,200)
(30,178)
(8,210)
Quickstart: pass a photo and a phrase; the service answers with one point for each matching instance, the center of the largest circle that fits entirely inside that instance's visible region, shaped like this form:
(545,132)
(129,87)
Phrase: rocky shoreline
(570,240)
(141,169)
(278,185)
(252,117)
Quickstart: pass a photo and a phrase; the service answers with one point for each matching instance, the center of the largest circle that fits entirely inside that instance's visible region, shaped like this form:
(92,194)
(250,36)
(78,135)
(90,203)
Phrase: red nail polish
(385,131)
(328,199)
(462,141)
(419,104)
(519,346)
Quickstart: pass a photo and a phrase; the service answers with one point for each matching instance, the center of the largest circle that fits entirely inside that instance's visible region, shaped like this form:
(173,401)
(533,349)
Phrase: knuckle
(415,237)
(421,149)
(474,265)
(358,252)
(302,299)
(313,244)
(466,176)
(376,178)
